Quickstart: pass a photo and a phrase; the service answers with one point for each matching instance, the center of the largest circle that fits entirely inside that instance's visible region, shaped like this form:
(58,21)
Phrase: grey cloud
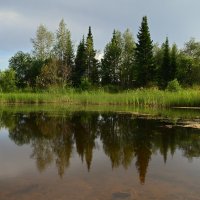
(177,19)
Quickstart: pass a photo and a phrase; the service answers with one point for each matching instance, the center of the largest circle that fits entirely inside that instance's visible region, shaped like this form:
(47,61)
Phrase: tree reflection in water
(124,138)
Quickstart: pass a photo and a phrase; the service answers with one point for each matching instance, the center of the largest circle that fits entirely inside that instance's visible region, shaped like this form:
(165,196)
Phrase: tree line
(126,64)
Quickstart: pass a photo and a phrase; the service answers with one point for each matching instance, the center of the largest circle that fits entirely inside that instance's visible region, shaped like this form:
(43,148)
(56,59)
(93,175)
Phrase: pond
(97,155)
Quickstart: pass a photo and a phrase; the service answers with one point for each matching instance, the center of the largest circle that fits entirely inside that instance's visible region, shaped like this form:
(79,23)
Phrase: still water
(96,156)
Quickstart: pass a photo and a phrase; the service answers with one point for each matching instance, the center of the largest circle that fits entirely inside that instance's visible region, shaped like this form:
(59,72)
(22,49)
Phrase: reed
(136,98)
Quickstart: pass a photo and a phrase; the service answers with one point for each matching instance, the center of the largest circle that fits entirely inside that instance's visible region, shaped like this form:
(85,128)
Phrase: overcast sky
(19,19)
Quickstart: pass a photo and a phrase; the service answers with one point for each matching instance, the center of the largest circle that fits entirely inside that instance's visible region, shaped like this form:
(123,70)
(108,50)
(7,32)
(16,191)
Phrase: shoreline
(185,99)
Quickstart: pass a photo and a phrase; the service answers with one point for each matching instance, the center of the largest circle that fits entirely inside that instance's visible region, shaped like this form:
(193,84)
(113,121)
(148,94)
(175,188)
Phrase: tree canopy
(125,64)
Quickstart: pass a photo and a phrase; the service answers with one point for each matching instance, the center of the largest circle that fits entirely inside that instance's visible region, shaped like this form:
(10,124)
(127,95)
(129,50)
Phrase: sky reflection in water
(89,154)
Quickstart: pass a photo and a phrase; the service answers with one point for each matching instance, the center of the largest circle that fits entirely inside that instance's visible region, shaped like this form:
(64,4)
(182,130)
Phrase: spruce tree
(110,70)
(91,61)
(174,62)
(144,55)
(166,65)
(79,69)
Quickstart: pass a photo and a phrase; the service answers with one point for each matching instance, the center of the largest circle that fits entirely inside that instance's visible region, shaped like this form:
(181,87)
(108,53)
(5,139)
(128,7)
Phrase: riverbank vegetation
(136,98)
(138,73)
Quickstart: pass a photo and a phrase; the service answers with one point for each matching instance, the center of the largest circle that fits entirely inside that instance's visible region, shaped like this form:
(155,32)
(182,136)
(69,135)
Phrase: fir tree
(91,61)
(174,61)
(80,64)
(166,65)
(112,59)
(144,56)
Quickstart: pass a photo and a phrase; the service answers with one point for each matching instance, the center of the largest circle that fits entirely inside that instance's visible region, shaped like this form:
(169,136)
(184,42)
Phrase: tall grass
(66,109)
(136,98)
(140,98)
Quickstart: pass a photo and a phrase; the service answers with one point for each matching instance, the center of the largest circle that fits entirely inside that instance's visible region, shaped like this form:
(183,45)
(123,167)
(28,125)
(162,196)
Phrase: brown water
(96,156)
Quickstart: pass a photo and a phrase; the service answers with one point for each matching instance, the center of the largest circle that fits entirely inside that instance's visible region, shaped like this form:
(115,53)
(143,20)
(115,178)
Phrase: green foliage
(48,76)
(142,98)
(144,55)
(64,53)
(168,68)
(43,43)
(63,46)
(166,65)
(158,58)
(127,67)
(91,62)
(174,62)
(26,68)
(80,64)
(125,64)
(173,86)
(185,68)
(111,61)
(111,88)
(85,84)
(8,80)
(188,71)
(21,63)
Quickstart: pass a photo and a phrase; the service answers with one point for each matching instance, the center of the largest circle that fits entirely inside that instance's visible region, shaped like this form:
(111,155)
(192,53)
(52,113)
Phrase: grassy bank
(137,98)
(64,109)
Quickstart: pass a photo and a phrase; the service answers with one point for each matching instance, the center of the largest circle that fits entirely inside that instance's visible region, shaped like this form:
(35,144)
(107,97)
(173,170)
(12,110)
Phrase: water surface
(97,155)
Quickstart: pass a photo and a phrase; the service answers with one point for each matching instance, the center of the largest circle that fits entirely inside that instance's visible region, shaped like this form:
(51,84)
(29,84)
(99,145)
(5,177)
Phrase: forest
(126,64)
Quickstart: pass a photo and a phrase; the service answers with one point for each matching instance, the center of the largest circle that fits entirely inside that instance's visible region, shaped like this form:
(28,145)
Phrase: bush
(111,88)
(8,81)
(85,84)
(173,86)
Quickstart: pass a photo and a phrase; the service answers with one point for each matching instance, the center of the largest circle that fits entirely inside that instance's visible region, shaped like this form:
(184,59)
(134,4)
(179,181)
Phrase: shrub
(85,84)
(8,80)
(173,86)
(111,88)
